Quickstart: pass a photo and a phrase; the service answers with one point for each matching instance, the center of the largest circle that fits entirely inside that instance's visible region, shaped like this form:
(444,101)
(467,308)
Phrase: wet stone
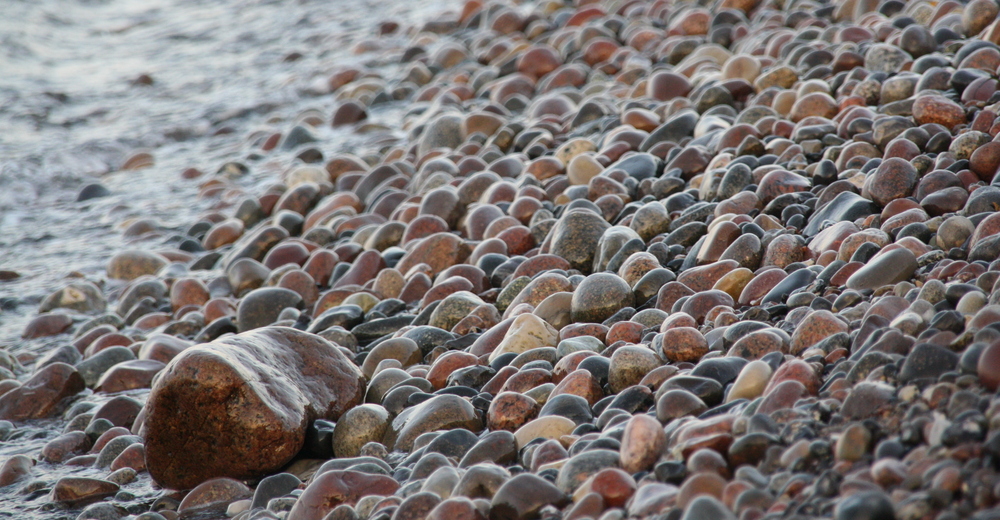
(198,386)
(888,268)
(523,496)
(78,491)
(706,389)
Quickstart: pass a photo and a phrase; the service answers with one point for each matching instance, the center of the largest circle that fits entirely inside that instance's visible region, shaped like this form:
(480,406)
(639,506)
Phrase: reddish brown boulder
(39,396)
(239,407)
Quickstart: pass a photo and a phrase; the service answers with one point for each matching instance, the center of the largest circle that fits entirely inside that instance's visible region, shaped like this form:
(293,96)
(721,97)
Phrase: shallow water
(71,113)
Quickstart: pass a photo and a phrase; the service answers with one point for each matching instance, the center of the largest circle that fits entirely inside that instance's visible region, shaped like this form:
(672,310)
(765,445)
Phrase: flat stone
(439,413)
(888,268)
(40,396)
(79,491)
(549,427)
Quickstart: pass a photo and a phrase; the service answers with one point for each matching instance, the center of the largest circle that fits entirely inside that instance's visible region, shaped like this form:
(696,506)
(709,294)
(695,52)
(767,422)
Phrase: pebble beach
(500,260)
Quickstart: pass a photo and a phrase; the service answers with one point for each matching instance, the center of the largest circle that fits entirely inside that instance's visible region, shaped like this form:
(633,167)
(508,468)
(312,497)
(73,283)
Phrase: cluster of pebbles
(671,260)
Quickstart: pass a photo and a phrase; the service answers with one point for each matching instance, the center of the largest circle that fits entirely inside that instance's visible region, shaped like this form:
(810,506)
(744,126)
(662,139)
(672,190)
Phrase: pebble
(580,467)
(526,332)
(814,328)
(853,443)
(214,492)
(614,486)
(82,296)
(888,268)
(629,364)
(575,238)
(79,491)
(751,382)
(866,400)
(129,265)
(682,344)
(39,396)
(550,427)
(988,366)
(15,469)
(643,442)
(894,179)
(357,427)
(330,489)
(441,412)
(927,361)
(937,109)
(678,403)
(705,507)
(865,505)
(524,496)
(598,297)
(262,307)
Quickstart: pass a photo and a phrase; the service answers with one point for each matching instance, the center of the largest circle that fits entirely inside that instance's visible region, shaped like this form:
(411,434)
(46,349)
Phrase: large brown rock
(39,396)
(239,407)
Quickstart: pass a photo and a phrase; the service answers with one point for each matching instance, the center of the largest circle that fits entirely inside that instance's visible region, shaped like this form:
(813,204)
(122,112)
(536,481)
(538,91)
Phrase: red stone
(614,486)
(216,491)
(988,367)
(47,325)
(40,395)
